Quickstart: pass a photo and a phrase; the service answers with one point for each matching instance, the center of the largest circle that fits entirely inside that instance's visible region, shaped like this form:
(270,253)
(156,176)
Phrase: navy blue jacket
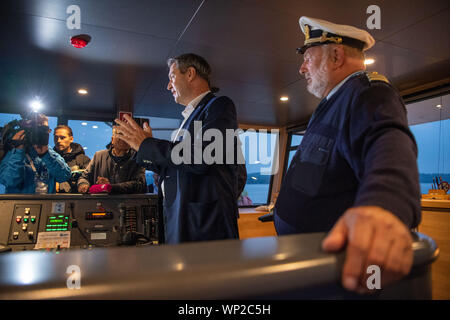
(357,151)
(200,200)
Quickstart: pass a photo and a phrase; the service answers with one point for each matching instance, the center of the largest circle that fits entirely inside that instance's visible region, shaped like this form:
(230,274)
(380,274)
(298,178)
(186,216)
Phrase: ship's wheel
(444,185)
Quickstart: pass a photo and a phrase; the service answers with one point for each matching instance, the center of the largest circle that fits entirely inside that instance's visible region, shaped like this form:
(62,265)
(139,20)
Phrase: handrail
(271,267)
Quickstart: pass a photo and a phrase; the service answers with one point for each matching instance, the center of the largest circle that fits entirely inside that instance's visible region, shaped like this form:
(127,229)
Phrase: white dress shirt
(186,113)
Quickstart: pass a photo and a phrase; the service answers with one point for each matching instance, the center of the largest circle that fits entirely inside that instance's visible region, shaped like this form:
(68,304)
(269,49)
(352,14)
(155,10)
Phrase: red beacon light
(80,41)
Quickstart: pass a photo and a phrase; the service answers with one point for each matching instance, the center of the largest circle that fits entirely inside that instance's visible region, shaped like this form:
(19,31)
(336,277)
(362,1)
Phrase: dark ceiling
(250,45)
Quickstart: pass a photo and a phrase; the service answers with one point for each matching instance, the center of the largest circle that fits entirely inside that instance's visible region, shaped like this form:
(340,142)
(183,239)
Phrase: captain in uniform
(355,172)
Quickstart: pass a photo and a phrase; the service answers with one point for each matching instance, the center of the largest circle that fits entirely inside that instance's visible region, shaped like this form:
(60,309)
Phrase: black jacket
(200,200)
(76,157)
(124,174)
(76,160)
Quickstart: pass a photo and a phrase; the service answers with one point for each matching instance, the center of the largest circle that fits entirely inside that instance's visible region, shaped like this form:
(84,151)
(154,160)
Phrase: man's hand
(41,149)
(19,136)
(101,180)
(373,236)
(83,188)
(130,132)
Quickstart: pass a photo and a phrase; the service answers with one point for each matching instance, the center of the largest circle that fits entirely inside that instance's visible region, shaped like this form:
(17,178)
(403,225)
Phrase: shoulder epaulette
(375,76)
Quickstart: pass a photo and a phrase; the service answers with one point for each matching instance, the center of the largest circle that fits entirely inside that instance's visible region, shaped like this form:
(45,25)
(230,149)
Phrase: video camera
(35,132)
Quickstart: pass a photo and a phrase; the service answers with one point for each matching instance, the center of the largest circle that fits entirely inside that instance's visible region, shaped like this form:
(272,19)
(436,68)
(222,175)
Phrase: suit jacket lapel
(194,115)
(202,104)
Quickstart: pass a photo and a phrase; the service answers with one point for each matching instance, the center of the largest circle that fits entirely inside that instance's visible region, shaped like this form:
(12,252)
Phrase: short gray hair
(349,51)
(184,61)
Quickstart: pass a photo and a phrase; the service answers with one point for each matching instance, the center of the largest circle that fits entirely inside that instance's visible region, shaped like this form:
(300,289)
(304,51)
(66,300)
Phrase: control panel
(77,221)
(58,222)
(24,224)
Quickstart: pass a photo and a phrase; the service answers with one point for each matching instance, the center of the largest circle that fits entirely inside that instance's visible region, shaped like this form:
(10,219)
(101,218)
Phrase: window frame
(298,130)
(269,194)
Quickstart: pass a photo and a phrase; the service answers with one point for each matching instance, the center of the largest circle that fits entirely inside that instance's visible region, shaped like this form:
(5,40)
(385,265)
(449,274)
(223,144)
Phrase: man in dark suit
(199,197)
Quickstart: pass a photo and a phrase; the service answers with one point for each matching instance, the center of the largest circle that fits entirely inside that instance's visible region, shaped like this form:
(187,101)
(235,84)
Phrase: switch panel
(25,223)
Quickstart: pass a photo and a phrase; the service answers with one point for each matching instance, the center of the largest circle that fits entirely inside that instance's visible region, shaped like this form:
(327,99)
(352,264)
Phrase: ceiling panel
(231,63)
(418,37)
(250,29)
(149,17)
(395,15)
(393,61)
(427,111)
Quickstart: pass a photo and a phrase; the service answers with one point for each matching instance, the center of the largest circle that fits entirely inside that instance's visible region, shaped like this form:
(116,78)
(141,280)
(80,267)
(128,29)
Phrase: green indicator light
(66,217)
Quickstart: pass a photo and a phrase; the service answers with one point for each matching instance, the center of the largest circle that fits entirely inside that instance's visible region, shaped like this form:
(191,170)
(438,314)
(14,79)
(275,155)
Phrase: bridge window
(430,125)
(259,149)
(93,136)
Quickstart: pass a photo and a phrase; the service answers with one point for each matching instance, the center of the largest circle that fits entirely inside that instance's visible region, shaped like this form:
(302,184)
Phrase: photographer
(29,166)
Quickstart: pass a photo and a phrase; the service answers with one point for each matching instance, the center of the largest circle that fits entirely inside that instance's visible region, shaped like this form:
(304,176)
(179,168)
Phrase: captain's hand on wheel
(373,236)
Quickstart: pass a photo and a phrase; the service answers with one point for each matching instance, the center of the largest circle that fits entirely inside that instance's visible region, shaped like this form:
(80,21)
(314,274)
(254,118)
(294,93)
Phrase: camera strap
(31,163)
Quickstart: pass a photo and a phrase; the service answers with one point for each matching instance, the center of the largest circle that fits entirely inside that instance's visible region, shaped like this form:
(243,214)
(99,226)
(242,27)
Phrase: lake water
(257,192)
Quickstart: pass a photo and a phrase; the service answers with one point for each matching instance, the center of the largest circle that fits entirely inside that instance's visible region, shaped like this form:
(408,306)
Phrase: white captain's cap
(318,32)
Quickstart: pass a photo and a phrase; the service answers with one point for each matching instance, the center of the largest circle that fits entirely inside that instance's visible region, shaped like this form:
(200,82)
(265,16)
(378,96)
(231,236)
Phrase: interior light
(284,98)
(439,106)
(369,61)
(82,91)
(35,105)
(95,127)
